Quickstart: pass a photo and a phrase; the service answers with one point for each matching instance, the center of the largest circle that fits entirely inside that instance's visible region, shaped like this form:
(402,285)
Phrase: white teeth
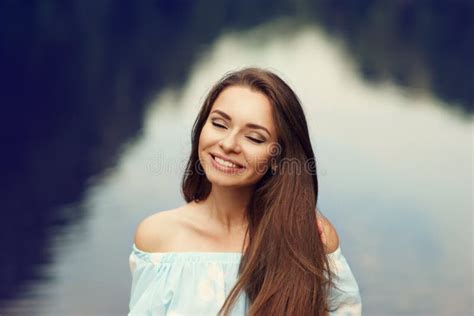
(225,163)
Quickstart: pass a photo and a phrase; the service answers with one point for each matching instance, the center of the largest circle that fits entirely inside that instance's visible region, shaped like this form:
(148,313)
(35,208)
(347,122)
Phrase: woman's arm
(328,233)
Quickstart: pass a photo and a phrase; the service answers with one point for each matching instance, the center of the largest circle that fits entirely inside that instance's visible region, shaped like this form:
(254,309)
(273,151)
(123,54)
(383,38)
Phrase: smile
(225,166)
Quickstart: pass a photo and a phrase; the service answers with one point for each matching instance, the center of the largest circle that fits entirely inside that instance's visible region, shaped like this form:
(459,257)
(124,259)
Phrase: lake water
(395,171)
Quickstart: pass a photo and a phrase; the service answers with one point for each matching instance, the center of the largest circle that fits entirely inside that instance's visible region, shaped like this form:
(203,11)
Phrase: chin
(225,181)
(234,181)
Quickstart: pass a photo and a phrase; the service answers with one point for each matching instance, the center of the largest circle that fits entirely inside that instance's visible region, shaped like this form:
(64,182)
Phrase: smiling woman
(249,241)
(232,142)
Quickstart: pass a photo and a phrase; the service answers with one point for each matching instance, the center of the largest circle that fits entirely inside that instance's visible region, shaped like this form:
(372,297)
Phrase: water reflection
(77,77)
(393,176)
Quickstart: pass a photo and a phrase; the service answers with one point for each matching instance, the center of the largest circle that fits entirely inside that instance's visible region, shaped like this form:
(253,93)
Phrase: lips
(226,169)
(228,160)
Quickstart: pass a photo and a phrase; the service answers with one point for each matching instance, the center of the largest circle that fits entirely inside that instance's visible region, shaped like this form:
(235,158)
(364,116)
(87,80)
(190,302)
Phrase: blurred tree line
(75,77)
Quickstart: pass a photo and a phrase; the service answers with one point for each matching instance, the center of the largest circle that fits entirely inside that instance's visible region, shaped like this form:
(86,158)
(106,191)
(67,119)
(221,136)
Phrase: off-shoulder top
(197,283)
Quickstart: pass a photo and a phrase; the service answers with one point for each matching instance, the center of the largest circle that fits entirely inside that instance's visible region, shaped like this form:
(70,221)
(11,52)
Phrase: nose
(230,143)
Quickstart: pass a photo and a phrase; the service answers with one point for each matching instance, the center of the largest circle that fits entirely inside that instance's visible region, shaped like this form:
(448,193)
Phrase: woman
(247,241)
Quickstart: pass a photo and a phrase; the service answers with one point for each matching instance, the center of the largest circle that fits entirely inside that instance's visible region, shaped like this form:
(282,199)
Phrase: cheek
(259,160)
(205,137)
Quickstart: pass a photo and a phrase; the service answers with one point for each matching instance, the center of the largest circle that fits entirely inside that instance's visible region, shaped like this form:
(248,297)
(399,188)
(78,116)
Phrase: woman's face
(237,138)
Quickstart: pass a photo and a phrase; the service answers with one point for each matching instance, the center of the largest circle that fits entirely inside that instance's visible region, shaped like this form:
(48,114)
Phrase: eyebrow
(250,125)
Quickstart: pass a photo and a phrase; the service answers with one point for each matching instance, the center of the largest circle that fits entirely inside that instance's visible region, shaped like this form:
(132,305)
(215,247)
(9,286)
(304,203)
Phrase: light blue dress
(197,283)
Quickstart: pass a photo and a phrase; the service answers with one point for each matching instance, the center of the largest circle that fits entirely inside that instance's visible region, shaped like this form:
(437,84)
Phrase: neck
(227,207)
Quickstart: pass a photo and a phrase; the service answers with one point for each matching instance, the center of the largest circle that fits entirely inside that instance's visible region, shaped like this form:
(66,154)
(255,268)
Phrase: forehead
(244,106)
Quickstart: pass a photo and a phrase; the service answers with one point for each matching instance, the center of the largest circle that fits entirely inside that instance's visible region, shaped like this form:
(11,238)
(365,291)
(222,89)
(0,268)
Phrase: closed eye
(254,140)
(258,141)
(218,125)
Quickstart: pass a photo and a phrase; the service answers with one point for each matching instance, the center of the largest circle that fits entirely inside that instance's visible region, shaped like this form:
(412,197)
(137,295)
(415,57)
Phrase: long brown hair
(284,269)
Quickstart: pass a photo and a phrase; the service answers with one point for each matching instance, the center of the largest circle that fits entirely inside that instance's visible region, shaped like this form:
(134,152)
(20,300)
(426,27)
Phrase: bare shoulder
(330,232)
(153,232)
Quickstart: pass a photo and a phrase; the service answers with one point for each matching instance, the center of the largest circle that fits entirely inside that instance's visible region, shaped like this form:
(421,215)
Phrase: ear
(332,238)
(273,165)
